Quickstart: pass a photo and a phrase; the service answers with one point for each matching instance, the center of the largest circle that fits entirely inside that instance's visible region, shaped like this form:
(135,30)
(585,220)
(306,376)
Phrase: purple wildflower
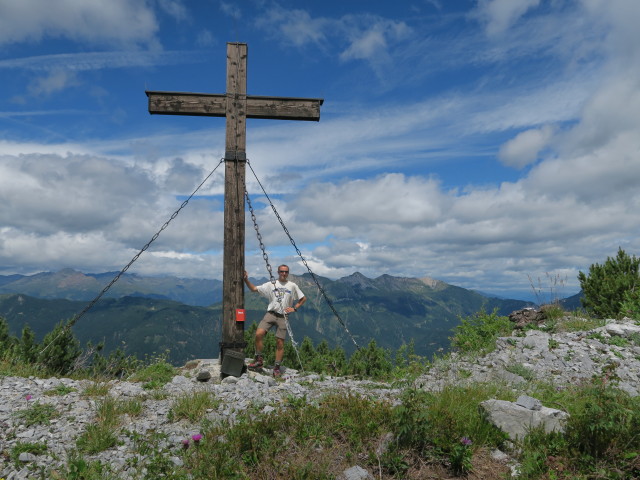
(466,441)
(197,437)
(28,397)
(185,443)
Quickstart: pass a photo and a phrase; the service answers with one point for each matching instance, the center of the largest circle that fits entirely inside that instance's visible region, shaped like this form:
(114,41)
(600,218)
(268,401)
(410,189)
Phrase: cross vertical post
(235,158)
(236,106)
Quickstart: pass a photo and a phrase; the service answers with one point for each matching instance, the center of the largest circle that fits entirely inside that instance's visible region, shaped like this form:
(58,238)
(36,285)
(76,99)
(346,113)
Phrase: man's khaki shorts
(271,319)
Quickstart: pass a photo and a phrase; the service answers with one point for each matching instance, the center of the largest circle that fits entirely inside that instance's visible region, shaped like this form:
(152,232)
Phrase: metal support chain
(255,227)
(304,261)
(293,342)
(117,277)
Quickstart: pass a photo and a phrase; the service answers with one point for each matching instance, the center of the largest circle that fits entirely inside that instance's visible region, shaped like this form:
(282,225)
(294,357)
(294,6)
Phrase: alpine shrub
(28,347)
(6,340)
(478,333)
(60,350)
(630,306)
(606,285)
(604,424)
(370,361)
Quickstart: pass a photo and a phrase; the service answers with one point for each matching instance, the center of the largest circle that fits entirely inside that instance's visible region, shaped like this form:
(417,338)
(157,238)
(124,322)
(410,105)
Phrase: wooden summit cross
(236,106)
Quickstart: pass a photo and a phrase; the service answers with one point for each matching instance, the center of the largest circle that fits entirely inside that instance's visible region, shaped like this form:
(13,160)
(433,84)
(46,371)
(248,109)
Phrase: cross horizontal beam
(215,105)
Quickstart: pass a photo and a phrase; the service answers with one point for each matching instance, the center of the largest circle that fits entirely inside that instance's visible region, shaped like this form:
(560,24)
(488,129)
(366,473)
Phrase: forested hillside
(391,310)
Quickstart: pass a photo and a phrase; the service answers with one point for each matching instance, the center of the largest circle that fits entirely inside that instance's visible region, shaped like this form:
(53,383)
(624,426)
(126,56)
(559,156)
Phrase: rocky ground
(560,358)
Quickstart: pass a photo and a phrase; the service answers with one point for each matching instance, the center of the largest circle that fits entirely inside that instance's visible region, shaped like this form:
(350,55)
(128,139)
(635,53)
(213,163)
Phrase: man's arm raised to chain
(250,285)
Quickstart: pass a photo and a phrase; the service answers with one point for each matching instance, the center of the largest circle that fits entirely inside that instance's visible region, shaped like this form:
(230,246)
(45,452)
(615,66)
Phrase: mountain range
(73,285)
(153,315)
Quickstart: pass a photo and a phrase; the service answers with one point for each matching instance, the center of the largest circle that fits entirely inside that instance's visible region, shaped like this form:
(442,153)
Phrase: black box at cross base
(232,363)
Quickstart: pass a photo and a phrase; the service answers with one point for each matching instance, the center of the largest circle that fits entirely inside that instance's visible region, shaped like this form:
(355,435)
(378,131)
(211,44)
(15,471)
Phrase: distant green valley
(152,316)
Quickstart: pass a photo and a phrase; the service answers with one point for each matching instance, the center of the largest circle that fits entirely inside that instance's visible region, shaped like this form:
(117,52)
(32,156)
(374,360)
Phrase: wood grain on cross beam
(214,105)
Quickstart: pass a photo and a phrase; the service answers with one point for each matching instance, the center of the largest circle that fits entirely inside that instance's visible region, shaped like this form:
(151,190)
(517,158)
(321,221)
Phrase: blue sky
(490,144)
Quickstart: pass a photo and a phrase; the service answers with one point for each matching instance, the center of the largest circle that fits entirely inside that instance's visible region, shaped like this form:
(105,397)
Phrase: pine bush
(28,348)
(60,349)
(6,340)
(606,286)
(630,306)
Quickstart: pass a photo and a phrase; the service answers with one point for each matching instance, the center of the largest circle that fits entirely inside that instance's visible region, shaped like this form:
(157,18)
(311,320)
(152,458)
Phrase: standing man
(282,295)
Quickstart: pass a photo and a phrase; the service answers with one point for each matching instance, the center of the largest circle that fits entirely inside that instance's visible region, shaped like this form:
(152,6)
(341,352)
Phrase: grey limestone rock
(27,457)
(529,402)
(516,421)
(355,473)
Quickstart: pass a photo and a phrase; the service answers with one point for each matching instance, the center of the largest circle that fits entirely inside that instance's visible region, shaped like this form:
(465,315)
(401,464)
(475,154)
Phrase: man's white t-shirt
(281,297)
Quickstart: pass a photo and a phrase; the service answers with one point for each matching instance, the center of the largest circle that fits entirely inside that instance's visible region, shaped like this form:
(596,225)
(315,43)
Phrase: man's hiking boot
(257,363)
(277,372)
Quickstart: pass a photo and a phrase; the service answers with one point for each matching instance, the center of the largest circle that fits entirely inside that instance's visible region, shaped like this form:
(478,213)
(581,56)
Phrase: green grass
(13,367)
(131,407)
(193,406)
(579,323)
(78,468)
(314,436)
(155,375)
(553,312)
(478,333)
(35,448)
(96,389)
(619,341)
(519,369)
(102,434)
(323,438)
(60,390)
(37,414)
(97,438)
(601,435)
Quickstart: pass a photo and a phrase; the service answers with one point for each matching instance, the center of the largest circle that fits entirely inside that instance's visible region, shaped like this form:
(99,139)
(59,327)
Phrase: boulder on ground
(526,316)
(517,420)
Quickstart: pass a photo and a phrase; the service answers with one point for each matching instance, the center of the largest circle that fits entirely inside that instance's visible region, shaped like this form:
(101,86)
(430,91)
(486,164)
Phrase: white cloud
(525,147)
(84,61)
(368,45)
(95,21)
(55,81)
(603,177)
(392,199)
(82,210)
(612,110)
(435,3)
(484,237)
(175,8)
(230,9)
(31,253)
(365,37)
(530,105)
(94,192)
(205,39)
(499,15)
(369,37)
(623,40)
(20,149)
(295,26)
